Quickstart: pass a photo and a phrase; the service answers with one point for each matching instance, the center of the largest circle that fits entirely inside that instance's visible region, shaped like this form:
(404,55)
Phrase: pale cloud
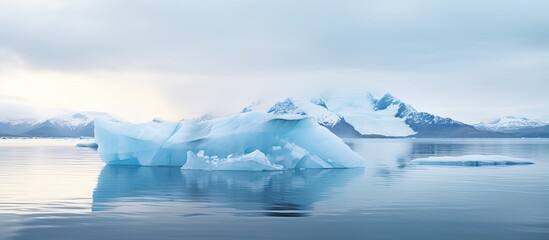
(132,95)
(470,60)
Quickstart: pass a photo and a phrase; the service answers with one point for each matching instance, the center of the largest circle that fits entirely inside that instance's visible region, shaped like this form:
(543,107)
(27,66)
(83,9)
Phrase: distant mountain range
(517,126)
(71,125)
(358,116)
(510,124)
(363,115)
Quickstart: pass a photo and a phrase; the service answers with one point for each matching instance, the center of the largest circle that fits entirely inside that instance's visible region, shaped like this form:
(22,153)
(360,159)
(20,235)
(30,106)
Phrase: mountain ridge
(363,115)
(510,124)
(80,124)
(350,116)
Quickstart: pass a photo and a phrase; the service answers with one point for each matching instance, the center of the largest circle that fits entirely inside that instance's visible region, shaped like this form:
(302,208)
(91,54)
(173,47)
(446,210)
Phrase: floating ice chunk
(87,145)
(249,141)
(254,161)
(471,160)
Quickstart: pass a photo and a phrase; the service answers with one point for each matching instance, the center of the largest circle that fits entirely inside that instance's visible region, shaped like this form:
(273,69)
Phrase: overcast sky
(469,60)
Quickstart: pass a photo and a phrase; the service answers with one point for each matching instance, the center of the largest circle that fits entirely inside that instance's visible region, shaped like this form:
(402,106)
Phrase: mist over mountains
(347,115)
(363,115)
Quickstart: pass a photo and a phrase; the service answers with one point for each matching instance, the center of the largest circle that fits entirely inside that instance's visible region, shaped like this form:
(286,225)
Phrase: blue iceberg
(249,141)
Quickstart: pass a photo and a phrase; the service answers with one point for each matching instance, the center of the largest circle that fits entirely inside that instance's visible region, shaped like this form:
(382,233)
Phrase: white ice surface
(359,112)
(305,105)
(319,113)
(249,141)
(356,109)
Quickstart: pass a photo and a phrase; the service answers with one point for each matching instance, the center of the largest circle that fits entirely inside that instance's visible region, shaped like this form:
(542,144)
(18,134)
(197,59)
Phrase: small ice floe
(254,161)
(87,145)
(471,160)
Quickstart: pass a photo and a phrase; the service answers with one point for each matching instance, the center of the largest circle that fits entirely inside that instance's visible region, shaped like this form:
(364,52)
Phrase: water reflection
(276,194)
(46,192)
(531,149)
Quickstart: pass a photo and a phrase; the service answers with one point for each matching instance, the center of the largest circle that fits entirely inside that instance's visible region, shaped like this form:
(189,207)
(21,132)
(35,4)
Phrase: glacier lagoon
(50,189)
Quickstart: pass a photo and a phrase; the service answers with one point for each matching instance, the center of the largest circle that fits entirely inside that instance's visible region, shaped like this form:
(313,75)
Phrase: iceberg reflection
(280,193)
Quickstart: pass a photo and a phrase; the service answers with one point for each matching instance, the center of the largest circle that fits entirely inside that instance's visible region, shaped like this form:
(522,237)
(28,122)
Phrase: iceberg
(471,160)
(250,141)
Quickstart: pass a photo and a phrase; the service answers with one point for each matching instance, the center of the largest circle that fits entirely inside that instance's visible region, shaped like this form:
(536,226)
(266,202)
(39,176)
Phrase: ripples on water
(50,189)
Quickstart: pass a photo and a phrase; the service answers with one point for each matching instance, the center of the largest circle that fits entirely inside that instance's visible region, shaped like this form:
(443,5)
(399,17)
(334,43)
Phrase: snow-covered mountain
(68,125)
(364,115)
(510,124)
(16,126)
(315,108)
(351,115)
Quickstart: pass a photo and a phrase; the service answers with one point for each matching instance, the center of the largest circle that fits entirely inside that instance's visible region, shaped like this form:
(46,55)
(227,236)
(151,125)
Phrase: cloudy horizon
(468,60)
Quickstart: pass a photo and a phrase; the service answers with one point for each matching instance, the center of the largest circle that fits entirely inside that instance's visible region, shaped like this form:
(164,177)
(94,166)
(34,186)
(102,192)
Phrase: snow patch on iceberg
(471,160)
(251,141)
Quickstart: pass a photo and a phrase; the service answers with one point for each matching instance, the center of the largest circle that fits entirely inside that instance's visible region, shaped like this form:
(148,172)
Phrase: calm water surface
(49,189)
